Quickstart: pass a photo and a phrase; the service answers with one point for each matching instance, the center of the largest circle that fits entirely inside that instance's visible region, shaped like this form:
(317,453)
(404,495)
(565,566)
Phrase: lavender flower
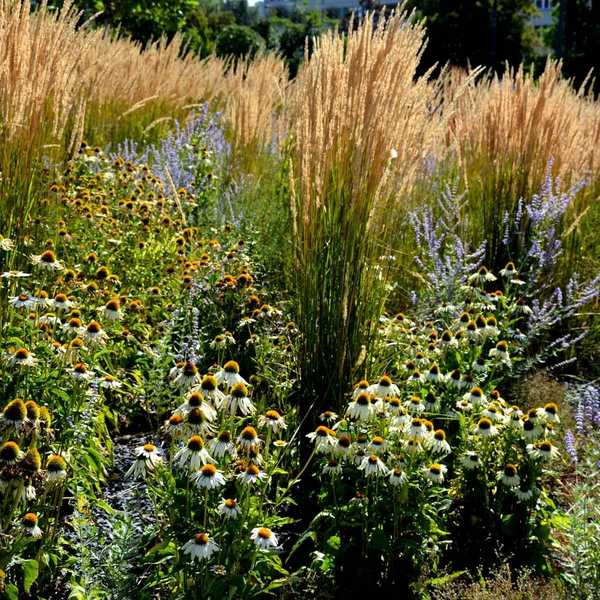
(570,446)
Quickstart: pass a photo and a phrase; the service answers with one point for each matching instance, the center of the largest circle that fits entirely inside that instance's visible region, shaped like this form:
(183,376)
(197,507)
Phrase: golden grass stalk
(361,126)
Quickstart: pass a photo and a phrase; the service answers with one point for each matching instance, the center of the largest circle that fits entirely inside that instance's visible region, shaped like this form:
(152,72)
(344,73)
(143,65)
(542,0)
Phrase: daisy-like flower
(435,472)
(550,412)
(482,275)
(229,375)
(175,426)
(361,408)
(543,450)
(264,538)
(398,477)
(14,415)
(448,339)
(323,438)
(81,372)
(470,460)
(494,413)
(74,326)
(229,508)
(415,405)
(210,389)
(112,310)
(147,458)
(434,374)
(509,476)
(10,453)
(23,300)
(30,527)
(47,260)
(238,401)
(194,400)
(437,443)
(463,405)
(272,420)
(187,375)
(56,468)
(530,429)
(524,495)
(251,474)
(248,438)
(332,467)
(108,382)
(198,422)
(501,352)
(361,386)
(485,428)
(383,388)
(200,547)
(222,445)
(6,244)
(509,271)
(417,430)
(475,396)
(343,445)
(61,303)
(377,445)
(94,334)
(192,454)
(373,466)
(14,275)
(329,416)
(208,477)
(416,377)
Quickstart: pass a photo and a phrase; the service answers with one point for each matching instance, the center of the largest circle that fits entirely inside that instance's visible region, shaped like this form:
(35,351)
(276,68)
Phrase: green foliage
(238,41)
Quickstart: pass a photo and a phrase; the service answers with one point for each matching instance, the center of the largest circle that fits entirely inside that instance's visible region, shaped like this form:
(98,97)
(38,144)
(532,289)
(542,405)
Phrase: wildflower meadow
(318,336)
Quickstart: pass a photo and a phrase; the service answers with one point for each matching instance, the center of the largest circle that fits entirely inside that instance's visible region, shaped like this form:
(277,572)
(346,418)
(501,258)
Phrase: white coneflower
(524,495)
(238,401)
(229,375)
(434,374)
(383,388)
(417,430)
(112,310)
(415,405)
(475,396)
(248,438)
(23,358)
(501,352)
(373,466)
(491,330)
(494,413)
(437,443)
(222,445)
(56,468)
(61,303)
(94,334)
(222,341)
(463,405)
(147,457)
(251,474)
(377,445)
(323,438)
(14,275)
(550,412)
(208,477)
(416,377)
(187,375)
(454,378)
(530,430)
(485,428)
(509,271)
(194,400)
(198,422)
(193,453)
(470,460)
(332,467)
(398,477)
(50,319)
(81,372)
(272,420)
(361,386)
(10,453)
(229,508)
(435,472)
(361,408)
(29,524)
(200,547)
(482,275)
(329,416)
(264,538)
(544,450)
(175,426)
(74,326)
(14,415)
(210,389)
(509,476)
(47,260)
(23,300)
(6,244)
(343,445)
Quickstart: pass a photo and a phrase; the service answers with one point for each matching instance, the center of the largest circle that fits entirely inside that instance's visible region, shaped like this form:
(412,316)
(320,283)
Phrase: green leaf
(11,591)
(31,570)
(440,581)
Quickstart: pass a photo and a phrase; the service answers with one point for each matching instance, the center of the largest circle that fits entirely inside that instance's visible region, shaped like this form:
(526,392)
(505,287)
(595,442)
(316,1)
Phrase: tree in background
(575,38)
(238,41)
(477,32)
